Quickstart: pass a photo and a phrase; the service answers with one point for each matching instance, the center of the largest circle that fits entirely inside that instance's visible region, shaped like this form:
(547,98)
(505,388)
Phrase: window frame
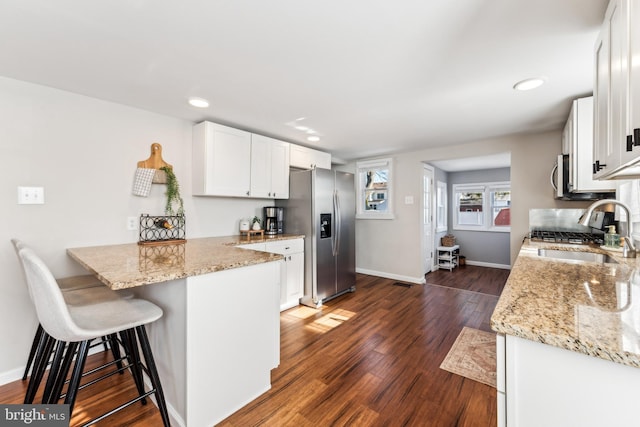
(441,203)
(361,168)
(486,188)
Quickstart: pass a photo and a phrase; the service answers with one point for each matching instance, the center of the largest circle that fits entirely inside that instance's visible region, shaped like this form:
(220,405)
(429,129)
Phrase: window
(482,207)
(501,207)
(374,189)
(441,206)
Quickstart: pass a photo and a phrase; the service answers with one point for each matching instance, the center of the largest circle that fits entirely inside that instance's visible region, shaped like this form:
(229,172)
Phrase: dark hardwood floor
(370,358)
(471,278)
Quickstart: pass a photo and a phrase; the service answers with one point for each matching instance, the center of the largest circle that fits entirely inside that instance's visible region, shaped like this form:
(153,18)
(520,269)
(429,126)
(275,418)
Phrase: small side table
(448,256)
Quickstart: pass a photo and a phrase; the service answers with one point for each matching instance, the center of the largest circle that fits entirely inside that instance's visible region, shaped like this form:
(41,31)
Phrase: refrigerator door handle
(337,222)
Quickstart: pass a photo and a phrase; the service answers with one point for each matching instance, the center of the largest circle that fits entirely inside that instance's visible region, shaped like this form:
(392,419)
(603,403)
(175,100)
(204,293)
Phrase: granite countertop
(580,306)
(129,265)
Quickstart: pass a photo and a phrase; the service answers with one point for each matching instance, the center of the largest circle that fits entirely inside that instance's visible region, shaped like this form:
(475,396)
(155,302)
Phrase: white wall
(83,151)
(393,246)
(488,248)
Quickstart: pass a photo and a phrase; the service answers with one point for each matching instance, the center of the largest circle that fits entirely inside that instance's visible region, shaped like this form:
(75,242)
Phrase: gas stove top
(565,237)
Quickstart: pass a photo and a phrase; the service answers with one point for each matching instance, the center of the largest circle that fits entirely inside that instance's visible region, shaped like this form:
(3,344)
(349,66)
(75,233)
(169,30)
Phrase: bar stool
(76,289)
(78,325)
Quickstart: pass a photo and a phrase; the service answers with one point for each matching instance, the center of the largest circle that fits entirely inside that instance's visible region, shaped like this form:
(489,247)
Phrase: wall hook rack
(155,161)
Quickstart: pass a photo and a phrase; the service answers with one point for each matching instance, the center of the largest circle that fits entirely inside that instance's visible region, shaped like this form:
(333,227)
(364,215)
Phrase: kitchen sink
(577,256)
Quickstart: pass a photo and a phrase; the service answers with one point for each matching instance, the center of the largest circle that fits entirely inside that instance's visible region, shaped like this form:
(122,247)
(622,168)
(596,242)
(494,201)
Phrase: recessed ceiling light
(302,128)
(198,102)
(313,138)
(529,84)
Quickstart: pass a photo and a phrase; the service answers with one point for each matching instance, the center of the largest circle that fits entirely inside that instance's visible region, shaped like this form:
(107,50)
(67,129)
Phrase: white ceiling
(493,161)
(371,76)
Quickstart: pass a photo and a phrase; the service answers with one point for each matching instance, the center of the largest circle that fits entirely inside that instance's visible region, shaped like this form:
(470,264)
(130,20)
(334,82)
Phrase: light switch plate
(408,200)
(30,195)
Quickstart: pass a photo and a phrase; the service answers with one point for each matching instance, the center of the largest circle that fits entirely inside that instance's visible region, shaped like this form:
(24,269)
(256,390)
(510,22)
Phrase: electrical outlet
(31,195)
(132,223)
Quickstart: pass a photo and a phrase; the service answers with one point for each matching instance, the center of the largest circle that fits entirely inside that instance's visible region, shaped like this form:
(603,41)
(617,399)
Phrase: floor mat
(473,355)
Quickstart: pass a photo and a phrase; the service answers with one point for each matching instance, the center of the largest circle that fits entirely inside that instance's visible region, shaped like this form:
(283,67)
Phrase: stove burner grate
(565,237)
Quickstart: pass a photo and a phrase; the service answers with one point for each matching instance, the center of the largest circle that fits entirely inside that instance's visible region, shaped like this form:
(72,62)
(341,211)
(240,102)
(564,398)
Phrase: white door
(427,219)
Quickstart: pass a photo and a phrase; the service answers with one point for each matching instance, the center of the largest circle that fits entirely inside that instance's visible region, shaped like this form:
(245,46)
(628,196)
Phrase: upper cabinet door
(280,155)
(617,93)
(308,158)
(269,168)
(617,23)
(580,129)
(221,160)
(602,146)
(260,166)
(633,84)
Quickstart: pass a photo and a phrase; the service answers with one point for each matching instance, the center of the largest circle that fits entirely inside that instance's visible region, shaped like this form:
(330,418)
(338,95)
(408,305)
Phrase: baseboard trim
(489,264)
(11,376)
(16,374)
(416,280)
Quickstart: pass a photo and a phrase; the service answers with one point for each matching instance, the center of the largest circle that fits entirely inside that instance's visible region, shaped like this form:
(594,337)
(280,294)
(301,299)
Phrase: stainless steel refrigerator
(322,206)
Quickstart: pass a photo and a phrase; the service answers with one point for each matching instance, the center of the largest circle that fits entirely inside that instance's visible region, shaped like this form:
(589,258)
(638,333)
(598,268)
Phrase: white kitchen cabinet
(501,380)
(543,385)
(602,147)
(221,161)
(269,168)
(291,270)
(308,158)
(617,93)
(578,138)
(232,162)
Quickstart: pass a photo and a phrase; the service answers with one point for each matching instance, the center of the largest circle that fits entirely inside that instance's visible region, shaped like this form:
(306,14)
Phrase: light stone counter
(580,306)
(130,265)
(219,336)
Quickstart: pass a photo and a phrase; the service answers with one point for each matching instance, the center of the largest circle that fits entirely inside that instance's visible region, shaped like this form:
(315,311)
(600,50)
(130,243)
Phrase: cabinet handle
(597,166)
(633,140)
(247,193)
(274,195)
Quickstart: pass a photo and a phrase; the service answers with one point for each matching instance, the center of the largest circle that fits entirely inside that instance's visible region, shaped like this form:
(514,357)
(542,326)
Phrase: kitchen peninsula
(219,337)
(568,340)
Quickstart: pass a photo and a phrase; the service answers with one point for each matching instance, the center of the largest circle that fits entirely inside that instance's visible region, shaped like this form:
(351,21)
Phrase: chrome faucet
(629,249)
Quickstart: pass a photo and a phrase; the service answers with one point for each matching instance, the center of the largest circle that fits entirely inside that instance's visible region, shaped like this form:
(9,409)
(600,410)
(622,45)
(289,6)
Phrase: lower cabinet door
(295,277)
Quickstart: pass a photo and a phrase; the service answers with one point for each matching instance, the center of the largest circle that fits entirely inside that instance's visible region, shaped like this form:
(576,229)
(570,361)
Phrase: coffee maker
(273,220)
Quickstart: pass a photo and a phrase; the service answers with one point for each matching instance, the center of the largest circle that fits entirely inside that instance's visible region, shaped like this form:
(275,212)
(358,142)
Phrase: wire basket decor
(164,229)
(448,240)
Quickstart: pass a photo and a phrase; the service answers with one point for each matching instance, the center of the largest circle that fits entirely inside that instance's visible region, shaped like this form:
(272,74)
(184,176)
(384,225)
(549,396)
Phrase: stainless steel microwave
(560,183)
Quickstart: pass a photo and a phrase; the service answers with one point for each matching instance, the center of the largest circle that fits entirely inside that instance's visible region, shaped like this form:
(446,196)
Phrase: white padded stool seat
(89,296)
